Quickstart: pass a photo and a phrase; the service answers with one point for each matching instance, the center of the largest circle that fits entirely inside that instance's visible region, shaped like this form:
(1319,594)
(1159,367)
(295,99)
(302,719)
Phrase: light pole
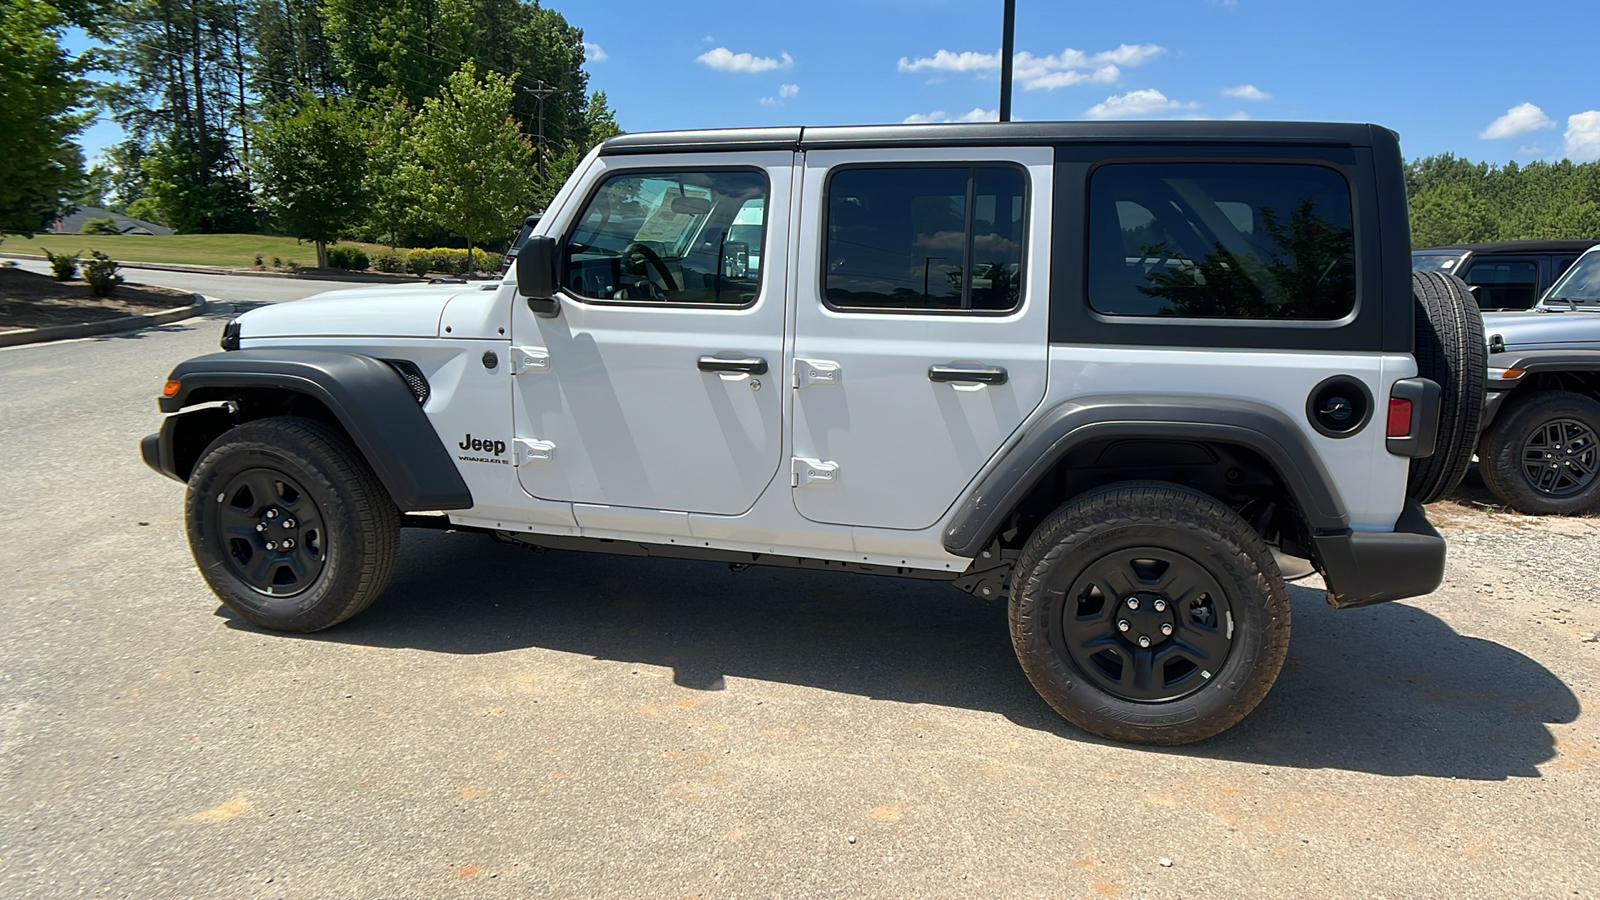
(1007,49)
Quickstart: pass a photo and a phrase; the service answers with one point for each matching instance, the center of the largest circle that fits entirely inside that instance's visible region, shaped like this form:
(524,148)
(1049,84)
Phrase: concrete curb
(105,326)
(316,275)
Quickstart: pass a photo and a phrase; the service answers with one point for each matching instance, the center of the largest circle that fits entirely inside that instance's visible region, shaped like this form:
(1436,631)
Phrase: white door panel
(905,446)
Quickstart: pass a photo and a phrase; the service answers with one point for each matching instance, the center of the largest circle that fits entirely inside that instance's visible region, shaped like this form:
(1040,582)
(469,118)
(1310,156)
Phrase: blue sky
(1490,82)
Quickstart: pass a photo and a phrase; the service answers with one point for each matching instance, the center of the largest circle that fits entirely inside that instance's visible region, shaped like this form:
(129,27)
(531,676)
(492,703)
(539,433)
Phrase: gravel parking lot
(505,723)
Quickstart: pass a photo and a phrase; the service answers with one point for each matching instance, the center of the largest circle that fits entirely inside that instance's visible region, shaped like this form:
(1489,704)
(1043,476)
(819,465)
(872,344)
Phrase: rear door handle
(755,365)
(978,374)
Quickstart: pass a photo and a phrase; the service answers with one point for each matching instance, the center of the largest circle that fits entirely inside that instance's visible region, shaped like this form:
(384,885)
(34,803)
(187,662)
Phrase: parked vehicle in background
(528,225)
(1503,275)
(1539,451)
(1129,377)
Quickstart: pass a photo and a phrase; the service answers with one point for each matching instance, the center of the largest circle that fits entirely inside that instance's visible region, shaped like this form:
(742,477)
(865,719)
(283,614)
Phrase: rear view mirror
(735,259)
(536,274)
(691,206)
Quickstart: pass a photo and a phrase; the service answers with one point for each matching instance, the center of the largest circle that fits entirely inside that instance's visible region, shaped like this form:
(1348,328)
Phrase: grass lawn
(194,249)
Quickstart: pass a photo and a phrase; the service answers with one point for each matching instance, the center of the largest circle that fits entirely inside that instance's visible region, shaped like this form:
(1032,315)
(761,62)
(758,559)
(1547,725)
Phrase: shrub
(62,266)
(101,273)
(291,264)
(487,261)
(106,225)
(349,258)
(258,260)
(419,261)
(389,261)
(276,262)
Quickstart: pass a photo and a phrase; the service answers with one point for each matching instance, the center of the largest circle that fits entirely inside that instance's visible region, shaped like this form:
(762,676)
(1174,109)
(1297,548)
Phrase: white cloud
(1583,137)
(945,61)
(1034,73)
(1135,104)
(724,60)
(1519,119)
(769,101)
(594,52)
(977,114)
(1246,92)
(788,90)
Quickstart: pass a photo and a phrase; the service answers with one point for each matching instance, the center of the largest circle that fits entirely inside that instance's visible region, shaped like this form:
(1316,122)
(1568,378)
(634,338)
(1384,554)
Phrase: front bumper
(1363,567)
(158,454)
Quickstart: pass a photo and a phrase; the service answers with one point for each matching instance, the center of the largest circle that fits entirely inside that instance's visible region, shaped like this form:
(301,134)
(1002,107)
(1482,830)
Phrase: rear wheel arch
(1243,454)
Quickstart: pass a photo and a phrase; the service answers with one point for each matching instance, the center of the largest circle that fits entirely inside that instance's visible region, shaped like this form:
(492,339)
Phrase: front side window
(671,237)
(925,239)
(1221,240)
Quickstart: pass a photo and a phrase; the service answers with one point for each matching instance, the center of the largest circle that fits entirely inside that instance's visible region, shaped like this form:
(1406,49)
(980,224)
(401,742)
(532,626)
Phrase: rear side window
(925,239)
(1504,284)
(1221,240)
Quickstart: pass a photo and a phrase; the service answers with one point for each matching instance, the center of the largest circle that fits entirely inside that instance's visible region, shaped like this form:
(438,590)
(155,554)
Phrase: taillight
(1399,417)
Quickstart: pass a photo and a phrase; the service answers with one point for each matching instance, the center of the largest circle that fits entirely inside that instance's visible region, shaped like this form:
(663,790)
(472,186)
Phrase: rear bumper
(1363,568)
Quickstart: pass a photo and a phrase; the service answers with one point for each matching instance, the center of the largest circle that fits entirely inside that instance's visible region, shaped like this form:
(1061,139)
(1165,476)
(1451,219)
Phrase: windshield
(1435,262)
(1581,284)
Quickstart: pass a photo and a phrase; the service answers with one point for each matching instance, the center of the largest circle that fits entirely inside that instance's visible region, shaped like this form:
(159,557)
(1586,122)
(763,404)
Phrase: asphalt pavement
(505,723)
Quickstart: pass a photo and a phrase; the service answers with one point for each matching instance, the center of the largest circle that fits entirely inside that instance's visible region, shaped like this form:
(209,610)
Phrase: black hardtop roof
(997,133)
(1513,247)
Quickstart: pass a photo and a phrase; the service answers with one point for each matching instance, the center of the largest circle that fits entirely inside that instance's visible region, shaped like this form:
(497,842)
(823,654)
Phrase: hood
(409,310)
(1544,329)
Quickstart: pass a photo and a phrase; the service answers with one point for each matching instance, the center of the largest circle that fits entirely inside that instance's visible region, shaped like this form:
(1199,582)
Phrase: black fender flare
(367,396)
(1054,433)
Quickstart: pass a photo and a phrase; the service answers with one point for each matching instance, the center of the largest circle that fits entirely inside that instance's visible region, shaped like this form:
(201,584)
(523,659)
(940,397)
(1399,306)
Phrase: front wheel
(1542,456)
(1149,613)
(290,526)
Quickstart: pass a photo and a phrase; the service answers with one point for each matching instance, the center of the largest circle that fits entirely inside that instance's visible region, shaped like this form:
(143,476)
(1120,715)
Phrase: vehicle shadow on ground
(1389,690)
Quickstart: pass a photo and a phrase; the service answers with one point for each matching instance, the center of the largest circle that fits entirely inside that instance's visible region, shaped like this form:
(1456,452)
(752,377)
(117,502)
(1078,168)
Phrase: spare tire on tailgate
(1450,350)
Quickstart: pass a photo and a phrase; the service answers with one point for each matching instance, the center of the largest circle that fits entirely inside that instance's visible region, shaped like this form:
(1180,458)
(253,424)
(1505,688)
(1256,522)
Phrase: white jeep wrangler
(1128,376)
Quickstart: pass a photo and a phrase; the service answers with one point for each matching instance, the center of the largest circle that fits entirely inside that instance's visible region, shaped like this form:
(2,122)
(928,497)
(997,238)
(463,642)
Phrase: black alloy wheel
(1541,454)
(273,532)
(1560,458)
(1146,624)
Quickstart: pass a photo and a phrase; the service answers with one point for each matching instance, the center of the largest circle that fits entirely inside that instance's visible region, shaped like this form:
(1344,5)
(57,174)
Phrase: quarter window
(1221,240)
(925,239)
(670,237)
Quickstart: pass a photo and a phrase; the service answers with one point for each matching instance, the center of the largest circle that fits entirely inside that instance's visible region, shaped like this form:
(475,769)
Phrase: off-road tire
(357,538)
(1136,516)
(1450,351)
(1501,451)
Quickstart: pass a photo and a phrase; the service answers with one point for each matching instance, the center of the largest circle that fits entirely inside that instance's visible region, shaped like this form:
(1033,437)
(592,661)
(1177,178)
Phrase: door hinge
(815,371)
(531,451)
(529,359)
(812,471)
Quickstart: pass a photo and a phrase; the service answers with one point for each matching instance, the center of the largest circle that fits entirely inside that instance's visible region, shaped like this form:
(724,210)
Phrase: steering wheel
(654,259)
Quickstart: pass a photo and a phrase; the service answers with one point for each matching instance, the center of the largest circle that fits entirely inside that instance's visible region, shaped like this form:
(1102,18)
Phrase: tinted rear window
(1221,240)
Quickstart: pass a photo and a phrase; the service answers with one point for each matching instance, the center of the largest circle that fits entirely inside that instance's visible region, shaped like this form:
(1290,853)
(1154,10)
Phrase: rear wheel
(1542,456)
(1451,352)
(1149,613)
(289,525)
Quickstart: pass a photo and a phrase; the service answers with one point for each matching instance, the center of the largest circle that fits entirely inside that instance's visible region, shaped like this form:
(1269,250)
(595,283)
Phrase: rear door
(920,325)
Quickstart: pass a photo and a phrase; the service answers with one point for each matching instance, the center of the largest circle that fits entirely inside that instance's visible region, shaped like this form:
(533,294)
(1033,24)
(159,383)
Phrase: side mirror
(735,259)
(536,275)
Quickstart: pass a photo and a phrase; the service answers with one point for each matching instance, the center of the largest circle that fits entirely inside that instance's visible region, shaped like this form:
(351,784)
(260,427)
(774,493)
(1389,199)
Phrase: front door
(657,385)
(920,329)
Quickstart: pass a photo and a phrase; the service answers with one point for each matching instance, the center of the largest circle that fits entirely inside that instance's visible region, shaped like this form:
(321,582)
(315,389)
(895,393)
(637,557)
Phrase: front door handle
(969,374)
(754,365)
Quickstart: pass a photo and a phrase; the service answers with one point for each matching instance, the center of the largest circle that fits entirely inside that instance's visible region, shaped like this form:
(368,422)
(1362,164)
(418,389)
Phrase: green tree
(41,91)
(597,123)
(393,209)
(470,162)
(313,170)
